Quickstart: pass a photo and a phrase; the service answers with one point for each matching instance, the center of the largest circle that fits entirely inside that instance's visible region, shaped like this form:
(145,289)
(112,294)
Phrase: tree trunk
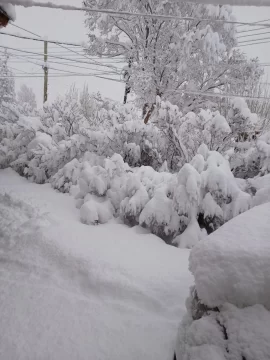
(147,112)
(127,91)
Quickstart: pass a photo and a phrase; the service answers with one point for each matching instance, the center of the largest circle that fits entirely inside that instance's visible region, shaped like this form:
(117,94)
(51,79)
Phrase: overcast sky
(69,26)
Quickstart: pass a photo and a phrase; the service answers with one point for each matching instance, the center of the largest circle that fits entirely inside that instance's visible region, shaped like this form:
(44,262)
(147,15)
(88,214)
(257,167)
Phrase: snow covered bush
(228,311)
(179,208)
(207,195)
(263,147)
(101,189)
(242,121)
(183,134)
(26,101)
(67,177)
(15,138)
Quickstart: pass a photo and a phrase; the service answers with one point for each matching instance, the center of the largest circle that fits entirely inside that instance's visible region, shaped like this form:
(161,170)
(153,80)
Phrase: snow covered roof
(232,264)
(9,11)
(234,2)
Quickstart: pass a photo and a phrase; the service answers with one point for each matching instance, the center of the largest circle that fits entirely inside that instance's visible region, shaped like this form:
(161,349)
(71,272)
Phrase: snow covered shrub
(179,208)
(138,144)
(222,198)
(183,135)
(260,186)
(68,176)
(241,120)
(263,147)
(66,111)
(101,189)
(206,196)
(26,101)
(15,138)
(136,197)
(228,311)
(158,214)
(85,112)
(160,217)
(186,201)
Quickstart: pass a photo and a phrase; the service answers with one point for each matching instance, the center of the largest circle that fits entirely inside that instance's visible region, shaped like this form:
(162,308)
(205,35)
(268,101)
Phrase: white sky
(69,26)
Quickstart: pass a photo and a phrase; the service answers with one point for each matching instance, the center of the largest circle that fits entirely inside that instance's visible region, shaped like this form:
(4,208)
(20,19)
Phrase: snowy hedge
(178,207)
(174,176)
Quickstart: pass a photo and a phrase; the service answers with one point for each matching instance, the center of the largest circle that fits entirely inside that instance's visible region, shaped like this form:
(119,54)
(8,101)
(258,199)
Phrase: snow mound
(232,264)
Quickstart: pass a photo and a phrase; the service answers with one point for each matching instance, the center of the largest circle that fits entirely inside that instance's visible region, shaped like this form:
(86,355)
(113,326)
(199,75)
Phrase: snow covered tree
(163,56)
(7,91)
(184,134)
(64,110)
(27,100)
(7,88)
(88,104)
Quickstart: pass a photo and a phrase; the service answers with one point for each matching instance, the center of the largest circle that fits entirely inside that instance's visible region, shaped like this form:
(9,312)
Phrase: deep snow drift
(71,291)
(232,264)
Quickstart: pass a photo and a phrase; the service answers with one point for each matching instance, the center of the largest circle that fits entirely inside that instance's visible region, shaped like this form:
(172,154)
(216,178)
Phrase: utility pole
(46,71)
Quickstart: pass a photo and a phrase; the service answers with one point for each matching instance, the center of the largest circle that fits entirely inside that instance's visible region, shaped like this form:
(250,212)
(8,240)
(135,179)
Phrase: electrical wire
(244,36)
(258,98)
(245,31)
(40,40)
(256,22)
(257,43)
(61,75)
(59,57)
(59,44)
(66,71)
(246,41)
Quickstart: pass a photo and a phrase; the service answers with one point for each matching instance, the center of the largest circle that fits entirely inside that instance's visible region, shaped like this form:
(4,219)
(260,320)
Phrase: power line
(256,22)
(64,47)
(50,5)
(66,71)
(246,41)
(13,68)
(59,57)
(253,30)
(28,60)
(40,40)
(244,36)
(258,98)
(59,44)
(61,75)
(24,56)
(257,43)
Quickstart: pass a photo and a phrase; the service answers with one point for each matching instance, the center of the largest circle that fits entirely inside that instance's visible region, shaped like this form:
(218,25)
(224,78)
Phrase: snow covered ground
(71,291)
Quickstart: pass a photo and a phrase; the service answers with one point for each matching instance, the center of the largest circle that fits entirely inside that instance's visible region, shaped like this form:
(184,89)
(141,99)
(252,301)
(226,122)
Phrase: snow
(30,122)
(41,139)
(9,10)
(247,333)
(70,291)
(232,264)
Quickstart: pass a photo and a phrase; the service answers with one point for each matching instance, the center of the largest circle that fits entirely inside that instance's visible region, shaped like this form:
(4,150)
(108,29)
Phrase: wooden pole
(46,71)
